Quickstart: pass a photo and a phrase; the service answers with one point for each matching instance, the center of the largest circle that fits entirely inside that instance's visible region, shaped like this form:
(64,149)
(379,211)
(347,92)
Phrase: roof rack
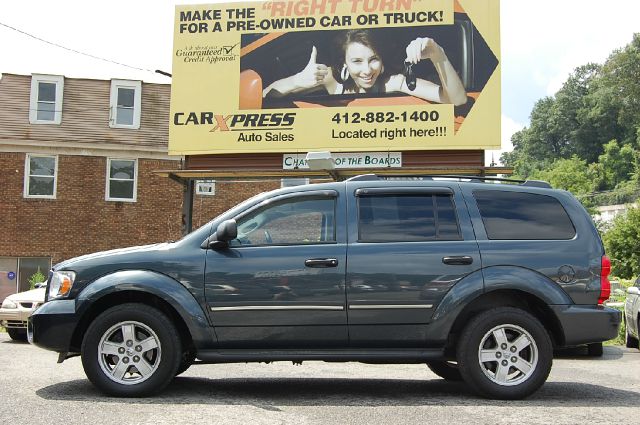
(374,177)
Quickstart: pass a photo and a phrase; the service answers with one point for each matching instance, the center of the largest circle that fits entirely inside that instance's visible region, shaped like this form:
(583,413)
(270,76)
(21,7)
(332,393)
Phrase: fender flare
(525,280)
(454,302)
(159,285)
(487,280)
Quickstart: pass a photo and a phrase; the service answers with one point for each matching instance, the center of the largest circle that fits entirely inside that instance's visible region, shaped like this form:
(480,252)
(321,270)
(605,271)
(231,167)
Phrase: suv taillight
(605,285)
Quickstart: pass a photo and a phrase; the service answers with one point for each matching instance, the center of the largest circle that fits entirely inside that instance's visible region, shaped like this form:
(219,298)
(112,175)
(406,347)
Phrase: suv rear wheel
(131,350)
(505,353)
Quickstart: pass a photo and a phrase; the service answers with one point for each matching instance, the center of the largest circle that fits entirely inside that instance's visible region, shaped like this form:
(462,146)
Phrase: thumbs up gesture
(313,74)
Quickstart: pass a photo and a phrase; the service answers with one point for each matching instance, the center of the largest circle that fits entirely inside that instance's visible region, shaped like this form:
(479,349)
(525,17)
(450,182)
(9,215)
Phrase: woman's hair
(365,37)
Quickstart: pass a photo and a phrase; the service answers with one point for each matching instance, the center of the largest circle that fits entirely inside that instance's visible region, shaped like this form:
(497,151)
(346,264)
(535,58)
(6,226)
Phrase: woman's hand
(424,48)
(312,75)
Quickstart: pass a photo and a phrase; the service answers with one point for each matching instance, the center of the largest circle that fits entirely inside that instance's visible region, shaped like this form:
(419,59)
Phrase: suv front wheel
(504,353)
(131,350)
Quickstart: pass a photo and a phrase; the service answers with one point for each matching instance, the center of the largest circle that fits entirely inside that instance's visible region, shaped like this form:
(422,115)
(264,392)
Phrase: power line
(73,50)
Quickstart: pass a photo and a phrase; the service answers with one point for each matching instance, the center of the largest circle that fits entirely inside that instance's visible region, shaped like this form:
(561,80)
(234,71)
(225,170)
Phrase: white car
(632,314)
(17,308)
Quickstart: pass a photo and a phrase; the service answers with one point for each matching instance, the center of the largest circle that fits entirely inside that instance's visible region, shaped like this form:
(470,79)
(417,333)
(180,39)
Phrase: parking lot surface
(36,390)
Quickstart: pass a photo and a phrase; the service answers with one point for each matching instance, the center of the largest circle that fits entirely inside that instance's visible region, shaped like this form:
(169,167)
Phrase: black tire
(446,370)
(595,349)
(630,340)
(131,350)
(17,334)
(497,332)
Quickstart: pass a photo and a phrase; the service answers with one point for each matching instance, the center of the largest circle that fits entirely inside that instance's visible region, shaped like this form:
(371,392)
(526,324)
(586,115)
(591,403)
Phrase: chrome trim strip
(388,306)
(279,307)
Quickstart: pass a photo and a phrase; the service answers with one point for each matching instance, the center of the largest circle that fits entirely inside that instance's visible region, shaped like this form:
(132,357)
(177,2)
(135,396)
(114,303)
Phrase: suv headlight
(7,303)
(61,284)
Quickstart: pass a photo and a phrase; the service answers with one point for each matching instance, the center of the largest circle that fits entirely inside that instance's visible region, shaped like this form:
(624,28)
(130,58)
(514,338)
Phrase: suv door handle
(321,262)
(461,260)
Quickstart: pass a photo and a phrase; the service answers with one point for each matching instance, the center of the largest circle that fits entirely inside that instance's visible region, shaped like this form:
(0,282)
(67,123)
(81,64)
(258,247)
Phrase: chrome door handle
(321,262)
(461,260)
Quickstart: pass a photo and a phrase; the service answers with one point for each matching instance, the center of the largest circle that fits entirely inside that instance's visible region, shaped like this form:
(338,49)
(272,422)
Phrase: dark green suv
(479,281)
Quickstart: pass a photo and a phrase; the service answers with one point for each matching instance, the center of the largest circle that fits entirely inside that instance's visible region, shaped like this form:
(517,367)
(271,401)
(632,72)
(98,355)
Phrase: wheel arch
(516,298)
(149,288)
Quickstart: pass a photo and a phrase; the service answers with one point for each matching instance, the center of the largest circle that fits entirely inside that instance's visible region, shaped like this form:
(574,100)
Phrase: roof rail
(374,177)
(537,183)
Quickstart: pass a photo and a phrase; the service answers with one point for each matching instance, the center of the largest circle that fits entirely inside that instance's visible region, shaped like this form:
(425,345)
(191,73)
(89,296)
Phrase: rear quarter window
(523,216)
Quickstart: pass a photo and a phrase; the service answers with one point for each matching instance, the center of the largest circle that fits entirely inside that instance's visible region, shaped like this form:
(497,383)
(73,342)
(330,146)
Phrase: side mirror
(633,290)
(226,231)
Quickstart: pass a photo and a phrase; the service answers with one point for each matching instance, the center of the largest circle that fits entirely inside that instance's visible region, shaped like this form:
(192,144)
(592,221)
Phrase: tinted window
(406,218)
(514,215)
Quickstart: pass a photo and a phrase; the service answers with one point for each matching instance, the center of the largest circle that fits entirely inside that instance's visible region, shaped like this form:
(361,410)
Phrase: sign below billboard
(335,75)
(348,160)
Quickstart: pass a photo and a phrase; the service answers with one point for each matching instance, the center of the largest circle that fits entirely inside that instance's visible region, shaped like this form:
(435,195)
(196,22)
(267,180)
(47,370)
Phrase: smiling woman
(360,68)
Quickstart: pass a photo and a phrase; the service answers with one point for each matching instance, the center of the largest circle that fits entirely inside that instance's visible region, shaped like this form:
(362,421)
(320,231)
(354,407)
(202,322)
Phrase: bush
(622,243)
(36,278)
(621,338)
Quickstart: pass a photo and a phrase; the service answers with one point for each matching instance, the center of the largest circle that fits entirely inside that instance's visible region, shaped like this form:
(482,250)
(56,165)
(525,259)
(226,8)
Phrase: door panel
(281,283)
(410,246)
(401,285)
(267,294)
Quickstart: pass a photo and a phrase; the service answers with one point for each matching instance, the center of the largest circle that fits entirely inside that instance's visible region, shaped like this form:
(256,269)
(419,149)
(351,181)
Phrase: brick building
(77,158)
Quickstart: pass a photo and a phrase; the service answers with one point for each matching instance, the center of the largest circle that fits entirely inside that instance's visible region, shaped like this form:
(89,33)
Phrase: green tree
(618,164)
(523,163)
(615,96)
(622,243)
(558,128)
(571,174)
(596,104)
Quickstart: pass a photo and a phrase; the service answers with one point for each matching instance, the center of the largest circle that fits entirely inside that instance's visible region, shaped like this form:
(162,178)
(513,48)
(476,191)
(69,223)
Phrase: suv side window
(523,216)
(407,218)
(289,222)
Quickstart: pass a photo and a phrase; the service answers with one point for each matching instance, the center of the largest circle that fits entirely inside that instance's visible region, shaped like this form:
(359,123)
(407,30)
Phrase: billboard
(336,75)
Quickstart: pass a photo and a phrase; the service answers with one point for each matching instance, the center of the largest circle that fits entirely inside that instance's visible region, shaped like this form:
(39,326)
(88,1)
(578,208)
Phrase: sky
(542,41)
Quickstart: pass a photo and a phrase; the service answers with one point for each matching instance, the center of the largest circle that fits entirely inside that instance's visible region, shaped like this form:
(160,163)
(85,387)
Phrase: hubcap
(508,355)
(129,353)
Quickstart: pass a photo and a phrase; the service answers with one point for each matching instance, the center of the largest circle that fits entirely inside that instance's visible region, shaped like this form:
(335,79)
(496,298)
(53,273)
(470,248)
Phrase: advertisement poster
(335,75)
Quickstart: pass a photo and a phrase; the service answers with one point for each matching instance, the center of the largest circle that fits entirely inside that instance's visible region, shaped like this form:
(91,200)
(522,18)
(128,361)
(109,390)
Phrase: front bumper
(15,317)
(52,326)
(586,324)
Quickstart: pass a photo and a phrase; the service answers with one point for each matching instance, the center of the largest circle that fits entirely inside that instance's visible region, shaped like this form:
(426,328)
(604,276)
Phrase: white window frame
(27,174)
(107,194)
(200,184)
(293,181)
(137,103)
(58,80)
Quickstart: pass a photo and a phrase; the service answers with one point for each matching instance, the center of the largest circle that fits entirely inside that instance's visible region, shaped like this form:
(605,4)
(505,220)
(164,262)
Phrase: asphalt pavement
(36,390)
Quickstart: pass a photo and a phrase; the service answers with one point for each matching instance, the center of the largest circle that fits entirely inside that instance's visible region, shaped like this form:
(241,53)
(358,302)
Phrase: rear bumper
(52,325)
(585,324)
